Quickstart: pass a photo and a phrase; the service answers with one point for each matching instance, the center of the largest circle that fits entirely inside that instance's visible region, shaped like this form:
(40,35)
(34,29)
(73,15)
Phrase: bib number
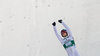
(69,44)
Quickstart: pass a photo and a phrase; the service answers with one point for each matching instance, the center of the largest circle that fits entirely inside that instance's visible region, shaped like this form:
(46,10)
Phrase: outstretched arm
(67,28)
(58,36)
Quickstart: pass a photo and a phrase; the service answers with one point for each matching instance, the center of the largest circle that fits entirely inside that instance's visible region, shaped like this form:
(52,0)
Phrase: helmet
(63,31)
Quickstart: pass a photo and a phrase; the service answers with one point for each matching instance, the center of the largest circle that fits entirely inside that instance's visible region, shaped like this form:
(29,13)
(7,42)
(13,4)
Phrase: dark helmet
(63,31)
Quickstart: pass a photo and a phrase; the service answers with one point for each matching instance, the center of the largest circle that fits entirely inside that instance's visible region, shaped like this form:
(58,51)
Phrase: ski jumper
(67,42)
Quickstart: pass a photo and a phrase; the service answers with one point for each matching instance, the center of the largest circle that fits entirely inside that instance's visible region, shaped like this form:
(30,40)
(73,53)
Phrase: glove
(54,24)
(60,21)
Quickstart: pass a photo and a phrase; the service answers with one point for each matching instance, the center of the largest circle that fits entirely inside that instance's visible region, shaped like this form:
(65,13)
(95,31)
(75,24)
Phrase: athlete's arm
(67,28)
(55,30)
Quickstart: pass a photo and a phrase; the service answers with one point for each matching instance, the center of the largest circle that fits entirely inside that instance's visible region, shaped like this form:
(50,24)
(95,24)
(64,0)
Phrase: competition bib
(69,44)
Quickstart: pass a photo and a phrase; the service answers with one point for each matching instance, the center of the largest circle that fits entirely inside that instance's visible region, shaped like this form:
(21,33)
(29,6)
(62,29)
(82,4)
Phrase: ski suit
(67,42)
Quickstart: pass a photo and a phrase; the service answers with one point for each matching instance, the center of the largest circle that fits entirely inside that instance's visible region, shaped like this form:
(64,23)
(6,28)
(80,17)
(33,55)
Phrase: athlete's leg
(75,52)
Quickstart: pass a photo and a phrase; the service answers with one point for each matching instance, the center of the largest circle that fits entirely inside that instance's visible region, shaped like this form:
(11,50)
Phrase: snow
(26,26)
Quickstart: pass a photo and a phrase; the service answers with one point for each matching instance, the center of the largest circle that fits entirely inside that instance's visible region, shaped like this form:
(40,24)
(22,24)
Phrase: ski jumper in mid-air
(67,41)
